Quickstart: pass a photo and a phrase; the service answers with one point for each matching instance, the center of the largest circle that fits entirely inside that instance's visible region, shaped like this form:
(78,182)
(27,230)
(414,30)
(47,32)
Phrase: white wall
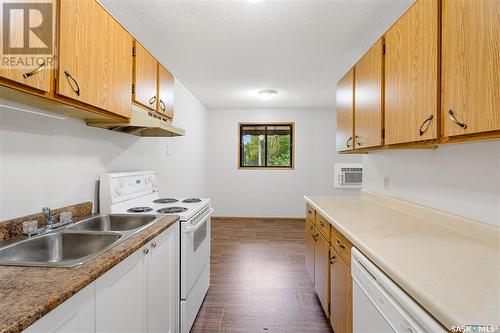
(53,162)
(463,179)
(271,192)
(49,162)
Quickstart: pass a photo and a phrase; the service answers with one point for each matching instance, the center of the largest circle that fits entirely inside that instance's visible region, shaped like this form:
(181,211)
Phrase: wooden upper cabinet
(145,78)
(340,294)
(94,57)
(368,98)
(470,66)
(36,72)
(322,271)
(166,92)
(345,112)
(411,75)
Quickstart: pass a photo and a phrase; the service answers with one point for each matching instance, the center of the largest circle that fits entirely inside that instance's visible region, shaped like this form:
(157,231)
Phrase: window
(266,145)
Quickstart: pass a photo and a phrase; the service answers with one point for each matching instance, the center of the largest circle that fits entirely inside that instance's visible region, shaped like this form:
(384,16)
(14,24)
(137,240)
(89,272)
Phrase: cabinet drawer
(341,245)
(323,226)
(311,214)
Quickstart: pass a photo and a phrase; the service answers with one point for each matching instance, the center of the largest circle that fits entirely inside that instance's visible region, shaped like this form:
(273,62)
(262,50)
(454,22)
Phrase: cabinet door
(340,295)
(163,282)
(76,315)
(368,99)
(121,296)
(322,271)
(166,92)
(94,57)
(411,73)
(36,69)
(345,112)
(311,235)
(470,67)
(145,78)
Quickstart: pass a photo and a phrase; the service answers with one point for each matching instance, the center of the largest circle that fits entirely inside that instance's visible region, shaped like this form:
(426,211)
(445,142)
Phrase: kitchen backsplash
(14,227)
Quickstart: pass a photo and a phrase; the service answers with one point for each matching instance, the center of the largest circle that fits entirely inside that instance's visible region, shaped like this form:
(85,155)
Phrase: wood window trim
(292,142)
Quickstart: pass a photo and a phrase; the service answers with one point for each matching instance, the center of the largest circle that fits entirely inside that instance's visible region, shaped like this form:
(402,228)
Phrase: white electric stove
(139,193)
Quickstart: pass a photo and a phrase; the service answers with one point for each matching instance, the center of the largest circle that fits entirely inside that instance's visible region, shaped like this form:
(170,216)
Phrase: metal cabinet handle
(153,244)
(357,141)
(72,82)
(309,211)
(36,70)
(340,245)
(333,258)
(347,142)
(315,237)
(459,123)
(321,222)
(423,128)
(162,106)
(146,251)
(152,100)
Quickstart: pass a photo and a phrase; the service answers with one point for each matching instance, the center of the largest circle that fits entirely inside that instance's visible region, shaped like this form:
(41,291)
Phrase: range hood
(142,123)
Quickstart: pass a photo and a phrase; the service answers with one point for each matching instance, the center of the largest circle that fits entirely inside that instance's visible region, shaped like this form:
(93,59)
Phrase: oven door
(195,252)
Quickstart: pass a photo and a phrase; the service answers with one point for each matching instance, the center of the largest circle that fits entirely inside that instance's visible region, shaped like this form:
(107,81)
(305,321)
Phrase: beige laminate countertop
(29,293)
(450,265)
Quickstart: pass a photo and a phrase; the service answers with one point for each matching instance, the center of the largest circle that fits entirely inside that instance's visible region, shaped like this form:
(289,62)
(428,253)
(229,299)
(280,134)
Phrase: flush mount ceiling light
(267,93)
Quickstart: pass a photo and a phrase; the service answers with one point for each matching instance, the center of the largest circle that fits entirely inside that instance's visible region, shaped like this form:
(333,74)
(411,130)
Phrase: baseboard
(260,218)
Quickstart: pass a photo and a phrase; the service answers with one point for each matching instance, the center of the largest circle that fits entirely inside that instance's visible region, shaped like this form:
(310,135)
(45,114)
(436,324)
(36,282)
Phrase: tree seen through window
(266,145)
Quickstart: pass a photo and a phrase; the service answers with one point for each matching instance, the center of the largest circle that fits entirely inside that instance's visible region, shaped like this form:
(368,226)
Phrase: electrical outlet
(168,150)
(386,183)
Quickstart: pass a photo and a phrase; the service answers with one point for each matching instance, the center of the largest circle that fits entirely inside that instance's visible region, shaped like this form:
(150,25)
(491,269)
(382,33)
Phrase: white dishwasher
(380,306)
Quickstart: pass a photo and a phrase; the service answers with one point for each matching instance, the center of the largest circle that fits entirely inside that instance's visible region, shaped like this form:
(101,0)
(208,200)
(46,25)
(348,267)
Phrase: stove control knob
(121,183)
(118,190)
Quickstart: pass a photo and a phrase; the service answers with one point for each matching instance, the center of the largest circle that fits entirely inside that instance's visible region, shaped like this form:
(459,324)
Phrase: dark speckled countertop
(29,293)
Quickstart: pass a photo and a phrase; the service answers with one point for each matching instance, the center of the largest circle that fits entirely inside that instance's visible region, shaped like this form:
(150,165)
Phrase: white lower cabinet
(163,282)
(76,315)
(121,296)
(140,294)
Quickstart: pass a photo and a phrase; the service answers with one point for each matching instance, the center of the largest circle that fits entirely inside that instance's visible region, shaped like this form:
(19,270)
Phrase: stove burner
(170,210)
(165,200)
(191,200)
(139,209)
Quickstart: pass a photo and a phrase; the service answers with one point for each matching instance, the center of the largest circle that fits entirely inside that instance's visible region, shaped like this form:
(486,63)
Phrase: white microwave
(348,175)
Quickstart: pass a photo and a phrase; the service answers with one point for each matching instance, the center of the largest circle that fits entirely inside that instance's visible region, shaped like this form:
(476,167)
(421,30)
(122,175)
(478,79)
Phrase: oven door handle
(199,224)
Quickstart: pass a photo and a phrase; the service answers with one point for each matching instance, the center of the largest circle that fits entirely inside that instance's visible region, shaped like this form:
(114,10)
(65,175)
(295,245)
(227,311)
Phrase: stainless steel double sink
(74,244)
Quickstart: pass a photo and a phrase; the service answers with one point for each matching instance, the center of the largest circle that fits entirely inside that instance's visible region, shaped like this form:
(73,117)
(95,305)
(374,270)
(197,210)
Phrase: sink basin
(122,222)
(58,249)
(75,244)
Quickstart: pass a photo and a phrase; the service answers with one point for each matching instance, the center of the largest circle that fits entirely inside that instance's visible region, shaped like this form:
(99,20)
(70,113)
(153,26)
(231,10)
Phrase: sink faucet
(50,223)
(49,219)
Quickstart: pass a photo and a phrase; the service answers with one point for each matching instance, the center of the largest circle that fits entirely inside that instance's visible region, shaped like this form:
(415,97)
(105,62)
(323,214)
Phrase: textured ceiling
(226,51)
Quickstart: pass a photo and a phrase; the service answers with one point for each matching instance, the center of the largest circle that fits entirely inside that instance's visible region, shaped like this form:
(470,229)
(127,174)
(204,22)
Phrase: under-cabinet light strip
(35,111)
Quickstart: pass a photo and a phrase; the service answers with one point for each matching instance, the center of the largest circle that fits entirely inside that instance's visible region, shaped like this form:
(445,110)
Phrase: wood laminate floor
(258,280)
